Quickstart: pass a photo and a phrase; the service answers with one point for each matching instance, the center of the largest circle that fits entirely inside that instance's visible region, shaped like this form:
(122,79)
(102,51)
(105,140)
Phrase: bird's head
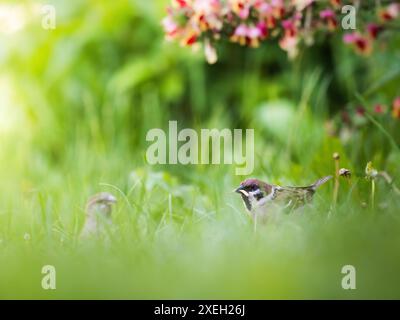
(100,203)
(253,192)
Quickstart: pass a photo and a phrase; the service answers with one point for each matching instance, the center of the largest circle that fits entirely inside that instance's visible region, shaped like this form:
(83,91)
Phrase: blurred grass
(76,105)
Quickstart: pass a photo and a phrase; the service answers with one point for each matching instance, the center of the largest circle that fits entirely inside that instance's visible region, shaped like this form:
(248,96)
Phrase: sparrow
(98,214)
(261,198)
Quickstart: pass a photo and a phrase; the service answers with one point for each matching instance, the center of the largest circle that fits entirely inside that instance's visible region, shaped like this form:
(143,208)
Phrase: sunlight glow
(10,114)
(13,18)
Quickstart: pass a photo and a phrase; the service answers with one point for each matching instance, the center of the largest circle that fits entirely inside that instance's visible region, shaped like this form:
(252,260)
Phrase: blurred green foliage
(106,75)
(76,105)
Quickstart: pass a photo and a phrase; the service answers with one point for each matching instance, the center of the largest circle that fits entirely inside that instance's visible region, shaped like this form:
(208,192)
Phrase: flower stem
(373,193)
(337,183)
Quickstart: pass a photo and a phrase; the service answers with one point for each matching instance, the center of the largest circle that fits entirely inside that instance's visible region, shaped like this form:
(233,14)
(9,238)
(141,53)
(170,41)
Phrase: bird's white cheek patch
(253,201)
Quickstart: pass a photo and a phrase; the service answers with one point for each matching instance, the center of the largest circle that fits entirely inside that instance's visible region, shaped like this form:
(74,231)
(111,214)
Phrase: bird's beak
(241,190)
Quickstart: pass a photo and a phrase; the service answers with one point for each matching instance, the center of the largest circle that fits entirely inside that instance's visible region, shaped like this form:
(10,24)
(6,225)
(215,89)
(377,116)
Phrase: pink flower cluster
(250,22)
(362,42)
(378,109)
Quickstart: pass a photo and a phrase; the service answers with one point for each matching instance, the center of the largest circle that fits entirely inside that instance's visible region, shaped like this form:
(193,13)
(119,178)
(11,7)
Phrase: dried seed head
(370,171)
(336,156)
(364,204)
(346,173)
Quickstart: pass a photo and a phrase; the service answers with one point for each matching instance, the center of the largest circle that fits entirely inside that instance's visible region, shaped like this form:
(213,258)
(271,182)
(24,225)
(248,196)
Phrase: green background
(76,104)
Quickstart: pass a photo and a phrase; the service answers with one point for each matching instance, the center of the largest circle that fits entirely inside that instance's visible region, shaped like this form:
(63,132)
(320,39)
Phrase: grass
(73,121)
(188,236)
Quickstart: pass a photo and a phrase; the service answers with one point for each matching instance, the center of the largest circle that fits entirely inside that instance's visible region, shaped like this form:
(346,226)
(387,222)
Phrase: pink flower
(190,40)
(181,3)
(240,34)
(289,27)
(254,35)
(396,108)
(262,26)
(396,102)
(278,8)
(349,38)
(241,8)
(170,26)
(207,14)
(329,17)
(250,35)
(290,40)
(391,12)
(263,7)
(327,14)
(361,44)
(379,108)
(360,111)
(373,30)
(267,12)
(289,44)
(248,22)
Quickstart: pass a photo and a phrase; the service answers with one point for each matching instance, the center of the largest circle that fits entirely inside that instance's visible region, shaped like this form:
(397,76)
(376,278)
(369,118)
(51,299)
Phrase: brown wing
(293,197)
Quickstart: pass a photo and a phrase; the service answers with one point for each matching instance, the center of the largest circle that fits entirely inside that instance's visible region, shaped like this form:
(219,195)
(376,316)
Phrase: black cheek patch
(259,196)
